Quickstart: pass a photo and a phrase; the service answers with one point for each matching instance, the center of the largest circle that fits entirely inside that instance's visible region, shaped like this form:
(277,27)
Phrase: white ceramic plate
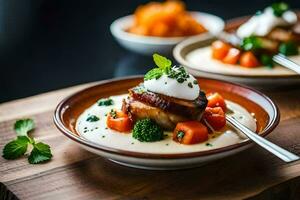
(148,156)
(196,56)
(148,45)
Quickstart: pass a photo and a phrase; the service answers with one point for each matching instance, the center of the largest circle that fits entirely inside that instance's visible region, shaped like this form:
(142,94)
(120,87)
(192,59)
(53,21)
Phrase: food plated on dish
(272,31)
(166,19)
(168,120)
(247,52)
(159,26)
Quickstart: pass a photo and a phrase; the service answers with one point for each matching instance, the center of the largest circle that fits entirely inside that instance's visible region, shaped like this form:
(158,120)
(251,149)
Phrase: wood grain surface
(75,173)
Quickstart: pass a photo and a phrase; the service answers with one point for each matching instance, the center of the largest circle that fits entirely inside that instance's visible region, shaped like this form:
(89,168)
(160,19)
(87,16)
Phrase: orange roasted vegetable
(215,117)
(219,49)
(216,100)
(119,121)
(232,57)
(248,59)
(190,132)
(166,19)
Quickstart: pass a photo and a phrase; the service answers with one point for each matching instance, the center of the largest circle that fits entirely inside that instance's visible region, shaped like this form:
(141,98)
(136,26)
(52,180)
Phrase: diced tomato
(219,49)
(216,100)
(215,117)
(190,132)
(119,121)
(232,56)
(248,59)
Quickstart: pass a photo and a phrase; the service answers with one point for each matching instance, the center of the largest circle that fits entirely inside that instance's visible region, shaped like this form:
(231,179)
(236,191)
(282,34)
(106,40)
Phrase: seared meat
(139,110)
(166,111)
(284,35)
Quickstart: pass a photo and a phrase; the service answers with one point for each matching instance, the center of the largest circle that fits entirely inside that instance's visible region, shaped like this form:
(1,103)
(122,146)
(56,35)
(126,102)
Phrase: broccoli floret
(147,130)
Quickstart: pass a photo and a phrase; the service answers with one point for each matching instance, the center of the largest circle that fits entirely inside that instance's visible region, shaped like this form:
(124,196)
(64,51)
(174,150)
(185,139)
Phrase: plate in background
(195,54)
(147,45)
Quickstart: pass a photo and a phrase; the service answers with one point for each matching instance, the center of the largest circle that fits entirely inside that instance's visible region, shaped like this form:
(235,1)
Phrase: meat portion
(166,111)
(284,35)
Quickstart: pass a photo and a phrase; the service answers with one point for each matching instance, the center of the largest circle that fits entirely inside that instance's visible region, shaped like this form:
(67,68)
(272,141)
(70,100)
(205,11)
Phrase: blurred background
(52,44)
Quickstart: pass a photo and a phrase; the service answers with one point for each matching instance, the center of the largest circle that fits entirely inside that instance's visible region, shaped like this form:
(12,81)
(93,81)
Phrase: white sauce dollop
(187,90)
(261,25)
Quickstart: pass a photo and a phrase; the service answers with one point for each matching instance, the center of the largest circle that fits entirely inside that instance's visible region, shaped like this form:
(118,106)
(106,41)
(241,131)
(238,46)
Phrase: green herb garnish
(179,74)
(190,85)
(267,60)
(288,49)
(23,126)
(40,153)
(113,113)
(195,82)
(251,43)
(16,148)
(180,135)
(209,144)
(163,64)
(279,8)
(92,118)
(105,102)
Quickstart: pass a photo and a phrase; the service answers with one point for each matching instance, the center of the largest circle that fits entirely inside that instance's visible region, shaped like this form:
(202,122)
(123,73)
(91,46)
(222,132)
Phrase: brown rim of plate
(230,25)
(73,136)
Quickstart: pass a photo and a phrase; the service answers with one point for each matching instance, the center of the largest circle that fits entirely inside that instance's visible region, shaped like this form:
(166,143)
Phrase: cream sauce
(97,132)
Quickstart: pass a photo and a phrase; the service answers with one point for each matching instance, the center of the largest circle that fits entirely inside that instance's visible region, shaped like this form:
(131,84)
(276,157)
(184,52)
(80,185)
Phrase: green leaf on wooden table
(40,153)
(16,148)
(23,126)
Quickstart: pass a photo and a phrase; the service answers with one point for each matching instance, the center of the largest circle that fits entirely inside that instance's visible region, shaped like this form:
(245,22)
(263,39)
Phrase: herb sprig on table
(40,152)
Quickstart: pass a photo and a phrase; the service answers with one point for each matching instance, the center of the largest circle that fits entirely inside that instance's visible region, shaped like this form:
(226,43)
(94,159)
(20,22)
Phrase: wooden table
(77,174)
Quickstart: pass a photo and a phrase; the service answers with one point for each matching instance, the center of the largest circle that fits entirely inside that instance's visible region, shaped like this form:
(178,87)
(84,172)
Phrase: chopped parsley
(190,85)
(105,102)
(113,113)
(40,152)
(92,118)
(208,144)
(180,135)
(195,82)
(179,74)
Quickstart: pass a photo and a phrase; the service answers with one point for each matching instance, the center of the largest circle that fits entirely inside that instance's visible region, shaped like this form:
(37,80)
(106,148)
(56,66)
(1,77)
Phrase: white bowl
(147,45)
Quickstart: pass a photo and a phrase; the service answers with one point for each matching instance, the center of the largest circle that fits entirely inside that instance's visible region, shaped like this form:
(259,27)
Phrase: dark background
(51,44)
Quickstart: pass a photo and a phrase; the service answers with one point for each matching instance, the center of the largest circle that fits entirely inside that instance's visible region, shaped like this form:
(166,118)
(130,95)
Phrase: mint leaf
(162,62)
(16,148)
(40,153)
(155,73)
(23,126)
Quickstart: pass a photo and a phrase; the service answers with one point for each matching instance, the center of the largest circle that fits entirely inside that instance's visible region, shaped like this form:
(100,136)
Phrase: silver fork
(269,146)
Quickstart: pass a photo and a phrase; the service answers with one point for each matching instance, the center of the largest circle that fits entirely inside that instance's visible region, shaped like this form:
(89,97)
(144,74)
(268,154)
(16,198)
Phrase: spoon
(269,146)
(278,58)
